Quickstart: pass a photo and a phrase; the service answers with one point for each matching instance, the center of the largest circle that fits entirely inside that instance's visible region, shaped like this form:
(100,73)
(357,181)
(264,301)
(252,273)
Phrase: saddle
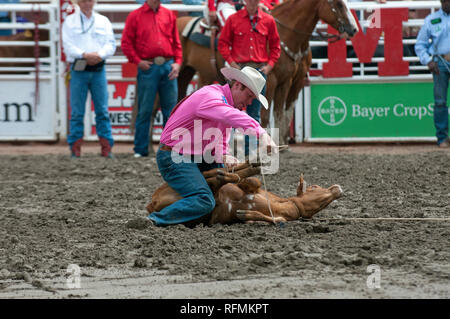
(199,31)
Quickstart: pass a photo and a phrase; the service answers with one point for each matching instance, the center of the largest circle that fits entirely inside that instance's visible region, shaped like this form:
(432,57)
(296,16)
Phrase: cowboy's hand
(266,69)
(432,66)
(175,71)
(144,65)
(230,161)
(92,58)
(235,65)
(268,144)
(381,1)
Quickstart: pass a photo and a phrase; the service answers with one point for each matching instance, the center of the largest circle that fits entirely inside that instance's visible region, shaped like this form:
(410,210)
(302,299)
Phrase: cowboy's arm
(70,47)
(110,44)
(423,45)
(212,14)
(129,40)
(177,49)
(225,41)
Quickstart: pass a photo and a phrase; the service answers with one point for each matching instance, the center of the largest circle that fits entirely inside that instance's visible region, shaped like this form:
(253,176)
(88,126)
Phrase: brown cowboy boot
(75,148)
(105,148)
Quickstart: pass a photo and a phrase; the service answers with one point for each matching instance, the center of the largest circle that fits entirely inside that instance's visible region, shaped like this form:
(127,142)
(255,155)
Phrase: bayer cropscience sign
(372,110)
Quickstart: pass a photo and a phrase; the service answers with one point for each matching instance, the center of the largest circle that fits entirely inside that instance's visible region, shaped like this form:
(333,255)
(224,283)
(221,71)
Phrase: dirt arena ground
(395,214)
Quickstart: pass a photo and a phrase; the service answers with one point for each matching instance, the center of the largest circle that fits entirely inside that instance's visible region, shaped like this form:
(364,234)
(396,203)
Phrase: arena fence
(28,86)
(355,95)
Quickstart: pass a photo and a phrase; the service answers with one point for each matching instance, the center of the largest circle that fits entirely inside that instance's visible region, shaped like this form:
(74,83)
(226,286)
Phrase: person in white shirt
(88,40)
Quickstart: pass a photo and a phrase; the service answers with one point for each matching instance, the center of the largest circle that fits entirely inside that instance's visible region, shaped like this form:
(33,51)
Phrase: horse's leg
(156,105)
(184,79)
(270,91)
(280,118)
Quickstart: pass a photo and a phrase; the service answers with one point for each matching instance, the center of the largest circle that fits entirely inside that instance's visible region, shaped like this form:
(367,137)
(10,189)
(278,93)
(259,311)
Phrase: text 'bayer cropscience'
(227,308)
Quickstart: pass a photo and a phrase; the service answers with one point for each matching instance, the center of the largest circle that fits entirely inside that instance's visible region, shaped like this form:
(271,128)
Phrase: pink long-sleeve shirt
(204,121)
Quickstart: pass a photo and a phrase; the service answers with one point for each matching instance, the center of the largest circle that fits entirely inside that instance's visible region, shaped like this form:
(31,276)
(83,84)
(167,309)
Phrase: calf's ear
(301,189)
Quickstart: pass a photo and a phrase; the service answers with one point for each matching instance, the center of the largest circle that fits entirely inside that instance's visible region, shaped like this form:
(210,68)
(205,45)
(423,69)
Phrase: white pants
(224,10)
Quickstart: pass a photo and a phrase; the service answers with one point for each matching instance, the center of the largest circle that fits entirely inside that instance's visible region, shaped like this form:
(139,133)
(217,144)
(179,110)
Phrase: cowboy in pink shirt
(195,139)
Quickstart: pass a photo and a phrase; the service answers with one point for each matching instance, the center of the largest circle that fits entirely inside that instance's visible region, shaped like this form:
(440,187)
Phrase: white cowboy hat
(249,77)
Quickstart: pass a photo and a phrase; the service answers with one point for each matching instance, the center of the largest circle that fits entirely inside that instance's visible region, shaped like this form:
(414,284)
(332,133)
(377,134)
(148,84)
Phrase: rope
(444,61)
(267,197)
(384,219)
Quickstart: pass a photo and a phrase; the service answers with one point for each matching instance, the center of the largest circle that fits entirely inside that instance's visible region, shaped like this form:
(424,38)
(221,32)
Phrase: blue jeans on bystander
(184,176)
(80,83)
(149,82)
(440,99)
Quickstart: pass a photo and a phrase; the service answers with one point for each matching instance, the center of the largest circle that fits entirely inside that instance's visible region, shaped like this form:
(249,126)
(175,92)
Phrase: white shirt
(80,35)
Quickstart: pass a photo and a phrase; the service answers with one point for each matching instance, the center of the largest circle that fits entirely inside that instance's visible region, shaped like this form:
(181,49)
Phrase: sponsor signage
(368,110)
(19,118)
(121,95)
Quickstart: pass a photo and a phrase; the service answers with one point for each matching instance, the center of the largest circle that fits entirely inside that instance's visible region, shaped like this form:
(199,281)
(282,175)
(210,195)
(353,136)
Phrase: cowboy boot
(105,148)
(75,148)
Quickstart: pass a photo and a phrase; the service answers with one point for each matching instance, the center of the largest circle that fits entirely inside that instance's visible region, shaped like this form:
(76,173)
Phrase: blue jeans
(254,110)
(186,178)
(154,80)
(80,83)
(440,100)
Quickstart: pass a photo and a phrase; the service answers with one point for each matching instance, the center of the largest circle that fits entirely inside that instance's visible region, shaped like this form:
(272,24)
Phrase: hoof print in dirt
(138,223)
(318,229)
(140,262)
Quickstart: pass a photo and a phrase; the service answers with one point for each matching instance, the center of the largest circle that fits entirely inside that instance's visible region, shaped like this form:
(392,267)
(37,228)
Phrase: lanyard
(82,25)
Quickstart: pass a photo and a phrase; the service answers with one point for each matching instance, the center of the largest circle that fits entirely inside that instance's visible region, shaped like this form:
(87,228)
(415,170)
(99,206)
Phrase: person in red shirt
(150,40)
(250,38)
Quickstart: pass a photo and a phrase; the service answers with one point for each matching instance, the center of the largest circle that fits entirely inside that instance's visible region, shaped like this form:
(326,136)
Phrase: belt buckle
(159,60)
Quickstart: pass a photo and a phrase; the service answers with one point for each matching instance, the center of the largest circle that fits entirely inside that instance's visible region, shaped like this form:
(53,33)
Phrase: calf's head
(311,200)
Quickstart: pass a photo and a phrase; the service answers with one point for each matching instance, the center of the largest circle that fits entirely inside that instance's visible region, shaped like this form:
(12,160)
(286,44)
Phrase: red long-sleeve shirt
(148,34)
(239,43)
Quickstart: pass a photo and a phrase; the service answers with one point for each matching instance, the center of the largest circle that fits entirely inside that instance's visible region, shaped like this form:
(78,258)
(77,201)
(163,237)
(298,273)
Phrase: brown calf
(240,198)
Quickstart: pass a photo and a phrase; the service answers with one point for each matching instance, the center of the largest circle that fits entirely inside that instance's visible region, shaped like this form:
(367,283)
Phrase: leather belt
(255,65)
(446,56)
(165,147)
(160,60)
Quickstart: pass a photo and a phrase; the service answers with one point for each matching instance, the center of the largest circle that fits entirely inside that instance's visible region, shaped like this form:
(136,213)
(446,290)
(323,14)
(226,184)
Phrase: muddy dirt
(55,211)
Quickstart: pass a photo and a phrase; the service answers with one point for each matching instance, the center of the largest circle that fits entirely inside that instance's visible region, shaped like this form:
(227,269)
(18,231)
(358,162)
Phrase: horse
(296,20)
(241,199)
(15,51)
